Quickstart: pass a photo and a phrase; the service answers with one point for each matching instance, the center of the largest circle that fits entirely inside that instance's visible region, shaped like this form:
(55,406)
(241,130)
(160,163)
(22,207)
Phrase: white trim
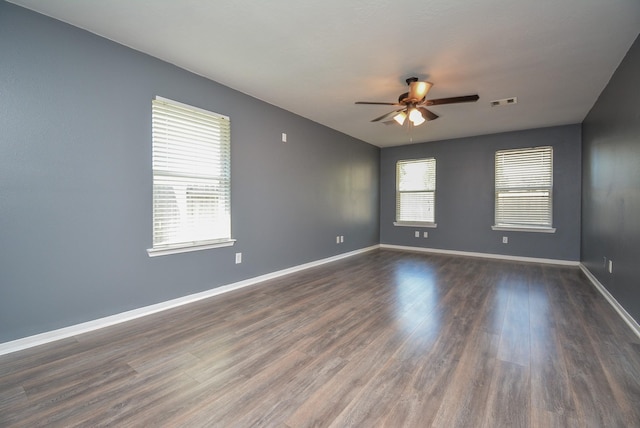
(190,107)
(415,224)
(482,255)
(51,336)
(525,229)
(155,252)
(632,323)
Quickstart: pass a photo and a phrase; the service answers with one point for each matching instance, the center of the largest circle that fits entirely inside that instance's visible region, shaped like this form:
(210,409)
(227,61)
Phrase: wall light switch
(610,266)
(417,234)
(337,239)
(425,234)
(284,137)
(238,258)
(505,240)
(341,239)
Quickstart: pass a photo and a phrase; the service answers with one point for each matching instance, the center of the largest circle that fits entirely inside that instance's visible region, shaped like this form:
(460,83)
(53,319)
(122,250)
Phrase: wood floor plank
(546,419)
(464,400)
(64,402)
(11,398)
(328,401)
(418,406)
(274,407)
(437,338)
(592,393)
(29,358)
(386,338)
(550,388)
(246,396)
(613,356)
(508,403)
(120,406)
(514,336)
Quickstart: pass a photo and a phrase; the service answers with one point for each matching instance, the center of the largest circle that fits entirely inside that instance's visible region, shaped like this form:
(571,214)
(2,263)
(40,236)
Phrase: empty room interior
(295,214)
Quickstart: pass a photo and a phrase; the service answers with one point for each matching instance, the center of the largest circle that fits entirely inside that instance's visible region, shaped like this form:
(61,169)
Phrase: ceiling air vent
(504,102)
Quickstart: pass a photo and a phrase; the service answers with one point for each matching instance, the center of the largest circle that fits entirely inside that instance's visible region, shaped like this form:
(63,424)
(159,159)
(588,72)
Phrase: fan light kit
(413,104)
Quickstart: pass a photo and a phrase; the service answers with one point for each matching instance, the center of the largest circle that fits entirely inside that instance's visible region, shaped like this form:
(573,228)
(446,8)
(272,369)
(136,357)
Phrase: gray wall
(611,184)
(465,195)
(75,181)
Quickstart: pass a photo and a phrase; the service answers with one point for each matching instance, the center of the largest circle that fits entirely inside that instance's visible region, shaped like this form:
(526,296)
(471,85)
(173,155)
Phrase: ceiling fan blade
(427,114)
(384,116)
(378,104)
(418,90)
(452,100)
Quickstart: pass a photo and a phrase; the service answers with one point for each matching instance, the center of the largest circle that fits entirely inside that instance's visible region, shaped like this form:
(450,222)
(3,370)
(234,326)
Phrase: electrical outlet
(610,266)
(284,137)
(417,234)
(238,258)
(425,234)
(505,239)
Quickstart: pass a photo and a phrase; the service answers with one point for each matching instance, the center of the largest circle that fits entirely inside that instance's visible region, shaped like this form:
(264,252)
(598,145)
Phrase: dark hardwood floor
(381,339)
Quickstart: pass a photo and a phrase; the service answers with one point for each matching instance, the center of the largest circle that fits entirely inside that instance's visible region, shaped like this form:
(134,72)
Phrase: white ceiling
(315,58)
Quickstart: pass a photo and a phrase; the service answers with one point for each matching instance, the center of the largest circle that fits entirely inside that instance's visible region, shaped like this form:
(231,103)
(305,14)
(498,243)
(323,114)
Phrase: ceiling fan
(413,104)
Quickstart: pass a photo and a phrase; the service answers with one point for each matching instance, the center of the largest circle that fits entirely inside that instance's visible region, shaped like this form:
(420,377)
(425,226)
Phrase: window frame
(189,178)
(416,223)
(526,226)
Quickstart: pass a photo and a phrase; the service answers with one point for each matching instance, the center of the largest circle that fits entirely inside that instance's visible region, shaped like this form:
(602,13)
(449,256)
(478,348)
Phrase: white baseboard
(632,323)
(482,255)
(74,330)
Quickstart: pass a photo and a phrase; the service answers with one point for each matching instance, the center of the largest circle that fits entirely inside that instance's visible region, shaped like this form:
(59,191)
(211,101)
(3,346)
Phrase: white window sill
(525,229)
(186,248)
(415,224)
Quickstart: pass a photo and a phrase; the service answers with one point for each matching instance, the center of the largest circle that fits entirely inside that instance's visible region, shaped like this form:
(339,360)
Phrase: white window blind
(415,191)
(191,176)
(524,188)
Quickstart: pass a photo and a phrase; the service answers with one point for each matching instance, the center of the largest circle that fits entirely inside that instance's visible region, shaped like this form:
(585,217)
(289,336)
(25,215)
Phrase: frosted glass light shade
(400,117)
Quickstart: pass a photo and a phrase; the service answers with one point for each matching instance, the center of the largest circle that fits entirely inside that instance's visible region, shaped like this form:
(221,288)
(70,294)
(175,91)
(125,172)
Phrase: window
(416,192)
(191,178)
(524,189)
